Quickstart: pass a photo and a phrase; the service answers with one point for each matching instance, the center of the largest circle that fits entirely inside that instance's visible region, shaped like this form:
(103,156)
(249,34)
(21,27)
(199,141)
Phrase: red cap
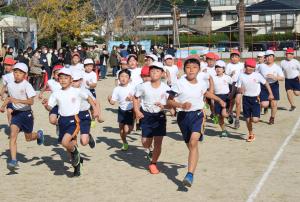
(250,63)
(289,51)
(123,60)
(235,52)
(217,57)
(210,55)
(145,71)
(9,61)
(197,57)
(57,67)
(76,54)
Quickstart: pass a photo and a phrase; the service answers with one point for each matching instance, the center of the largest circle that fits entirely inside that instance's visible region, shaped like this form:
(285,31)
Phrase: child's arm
(216,98)
(3,89)
(42,91)
(29,101)
(168,77)
(136,107)
(4,104)
(271,97)
(99,118)
(211,84)
(172,103)
(95,109)
(91,85)
(112,102)
(45,103)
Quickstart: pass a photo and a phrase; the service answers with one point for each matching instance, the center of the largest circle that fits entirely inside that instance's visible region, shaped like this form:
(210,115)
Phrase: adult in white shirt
(249,84)
(291,70)
(272,73)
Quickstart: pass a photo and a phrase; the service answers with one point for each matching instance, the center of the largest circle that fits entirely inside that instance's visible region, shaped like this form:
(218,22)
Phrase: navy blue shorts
(68,124)
(233,90)
(190,122)
(292,84)
(218,107)
(93,91)
(10,106)
(54,110)
(85,122)
(264,94)
(125,116)
(24,120)
(251,107)
(153,124)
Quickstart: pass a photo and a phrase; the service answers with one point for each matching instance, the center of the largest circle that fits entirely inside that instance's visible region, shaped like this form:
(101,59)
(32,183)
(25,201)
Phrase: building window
(262,18)
(248,18)
(192,21)
(231,17)
(217,17)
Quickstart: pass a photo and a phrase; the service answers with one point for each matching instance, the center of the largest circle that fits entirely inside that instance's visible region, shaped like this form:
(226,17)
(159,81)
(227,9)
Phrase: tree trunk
(28,33)
(241,14)
(58,40)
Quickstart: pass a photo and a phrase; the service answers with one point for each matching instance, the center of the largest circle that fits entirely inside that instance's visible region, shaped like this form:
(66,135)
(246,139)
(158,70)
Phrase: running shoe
(251,138)
(224,133)
(188,180)
(237,124)
(75,157)
(78,169)
(215,119)
(153,169)
(293,108)
(271,120)
(40,137)
(13,164)
(230,119)
(125,146)
(92,143)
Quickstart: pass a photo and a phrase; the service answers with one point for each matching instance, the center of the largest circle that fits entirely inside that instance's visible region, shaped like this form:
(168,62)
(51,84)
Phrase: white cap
(220,63)
(76,75)
(269,52)
(154,57)
(157,65)
(88,61)
(21,66)
(261,54)
(65,71)
(168,57)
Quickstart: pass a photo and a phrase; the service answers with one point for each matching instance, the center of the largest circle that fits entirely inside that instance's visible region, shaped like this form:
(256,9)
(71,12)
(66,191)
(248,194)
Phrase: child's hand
(139,115)
(45,102)
(13,100)
(129,98)
(271,97)
(40,96)
(161,106)
(2,109)
(100,120)
(109,98)
(271,76)
(186,106)
(96,114)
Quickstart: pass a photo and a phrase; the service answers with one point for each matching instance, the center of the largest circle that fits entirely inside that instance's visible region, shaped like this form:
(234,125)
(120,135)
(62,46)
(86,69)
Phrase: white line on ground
(263,179)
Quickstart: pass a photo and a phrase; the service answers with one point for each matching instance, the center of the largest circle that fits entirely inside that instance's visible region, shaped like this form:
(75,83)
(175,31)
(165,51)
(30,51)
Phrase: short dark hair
(192,61)
(126,71)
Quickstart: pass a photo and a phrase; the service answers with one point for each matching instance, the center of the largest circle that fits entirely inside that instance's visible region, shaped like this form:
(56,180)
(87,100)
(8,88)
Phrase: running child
(124,65)
(76,63)
(249,85)
(189,94)
(149,102)
(272,73)
(68,100)
(132,61)
(89,76)
(54,85)
(234,69)
(291,70)
(123,94)
(21,96)
(171,70)
(221,89)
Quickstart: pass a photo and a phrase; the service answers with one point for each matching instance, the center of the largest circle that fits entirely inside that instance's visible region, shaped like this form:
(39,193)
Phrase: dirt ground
(229,168)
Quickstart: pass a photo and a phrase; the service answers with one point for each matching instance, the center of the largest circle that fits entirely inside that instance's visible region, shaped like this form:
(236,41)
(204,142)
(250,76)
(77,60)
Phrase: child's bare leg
(53,119)
(14,130)
(8,114)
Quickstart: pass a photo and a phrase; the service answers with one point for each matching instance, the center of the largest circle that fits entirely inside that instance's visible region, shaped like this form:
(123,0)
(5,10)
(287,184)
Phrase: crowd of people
(144,95)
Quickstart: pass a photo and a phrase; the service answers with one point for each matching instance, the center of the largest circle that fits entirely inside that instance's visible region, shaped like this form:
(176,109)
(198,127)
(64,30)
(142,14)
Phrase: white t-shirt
(120,93)
(173,70)
(234,70)
(77,67)
(250,83)
(53,85)
(91,77)
(136,76)
(85,105)
(291,69)
(264,70)
(21,91)
(203,77)
(68,100)
(7,78)
(221,84)
(192,93)
(210,70)
(149,96)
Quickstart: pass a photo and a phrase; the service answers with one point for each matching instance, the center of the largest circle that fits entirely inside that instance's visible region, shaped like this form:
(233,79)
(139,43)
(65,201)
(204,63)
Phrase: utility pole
(241,13)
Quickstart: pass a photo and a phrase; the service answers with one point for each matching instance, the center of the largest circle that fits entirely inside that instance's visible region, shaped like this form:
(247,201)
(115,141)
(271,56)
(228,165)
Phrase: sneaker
(230,119)
(215,119)
(251,138)
(149,155)
(75,157)
(78,169)
(13,164)
(125,146)
(237,124)
(153,169)
(91,141)
(93,124)
(293,108)
(271,120)
(224,133)
(188,180)
(40,139)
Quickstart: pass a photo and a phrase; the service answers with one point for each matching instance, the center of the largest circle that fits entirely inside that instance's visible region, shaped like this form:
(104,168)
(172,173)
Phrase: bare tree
(176,17)
(241,13)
